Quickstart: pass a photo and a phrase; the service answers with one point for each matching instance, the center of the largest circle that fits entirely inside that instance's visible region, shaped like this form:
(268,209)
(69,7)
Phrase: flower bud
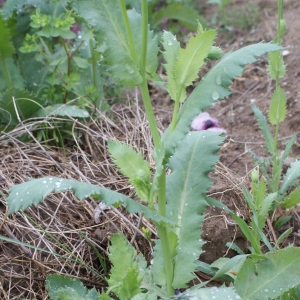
(282,30)
(215,53)
(254,175)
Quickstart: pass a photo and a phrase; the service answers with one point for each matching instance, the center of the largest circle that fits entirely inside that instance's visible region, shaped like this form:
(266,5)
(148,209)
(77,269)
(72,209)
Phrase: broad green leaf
(62,110)
(264,128)
(186,15)
(6,46)
(276,65)
(277,106)
(187,186)
(213,87)
(81,62)
(292,173)
(133,166)
(26,104)
(292,199)
(63,287)
(270,277)
(125,279)
(23,195)
(106,18)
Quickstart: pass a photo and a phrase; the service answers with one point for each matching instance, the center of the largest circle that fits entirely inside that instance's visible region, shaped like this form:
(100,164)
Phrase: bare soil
(22,275)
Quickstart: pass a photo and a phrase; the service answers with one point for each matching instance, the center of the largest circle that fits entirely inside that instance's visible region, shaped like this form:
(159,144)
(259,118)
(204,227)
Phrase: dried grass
(23,271)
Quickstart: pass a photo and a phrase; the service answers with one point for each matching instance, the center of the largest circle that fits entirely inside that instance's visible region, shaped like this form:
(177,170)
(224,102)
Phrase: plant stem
(144,86)
(128,31)
(149,113)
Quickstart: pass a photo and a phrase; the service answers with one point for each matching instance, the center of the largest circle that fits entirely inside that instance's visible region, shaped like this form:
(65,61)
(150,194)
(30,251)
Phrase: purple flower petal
(203,122)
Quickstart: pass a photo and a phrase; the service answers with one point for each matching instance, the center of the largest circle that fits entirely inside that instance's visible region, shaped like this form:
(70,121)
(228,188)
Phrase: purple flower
(205,122)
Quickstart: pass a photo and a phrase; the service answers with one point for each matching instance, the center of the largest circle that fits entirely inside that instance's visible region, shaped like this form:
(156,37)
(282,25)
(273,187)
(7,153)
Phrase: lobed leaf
(215,293)
(63,287)
(187,186)
(278,106)
(106,18)
(292,199)
(133,166)
(276,66)
(191,59)
(270,277)
(23,195)
(125,278)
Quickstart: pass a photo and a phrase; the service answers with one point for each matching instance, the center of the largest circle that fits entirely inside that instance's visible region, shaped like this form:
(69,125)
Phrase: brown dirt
(64,216)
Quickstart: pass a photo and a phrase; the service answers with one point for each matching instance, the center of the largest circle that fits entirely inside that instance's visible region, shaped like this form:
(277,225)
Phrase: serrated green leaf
(278,106)
(62,110)
(125,279)
(191,59)
(106,18)
(63,287)
(23,195)
(292,173)
(276,65)
(186,15)
(210,90)
(187,186)
(170,53)
(133,166)
(259,192)
(270,277)
(182,65)
(6,46)
(264,128)
(292,199)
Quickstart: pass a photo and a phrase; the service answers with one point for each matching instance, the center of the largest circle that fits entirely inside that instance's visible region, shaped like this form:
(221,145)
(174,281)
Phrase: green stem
(5,72)
(168,265)
(94,72)
(176,109)
(149,113)
(128,31)
(144,86)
